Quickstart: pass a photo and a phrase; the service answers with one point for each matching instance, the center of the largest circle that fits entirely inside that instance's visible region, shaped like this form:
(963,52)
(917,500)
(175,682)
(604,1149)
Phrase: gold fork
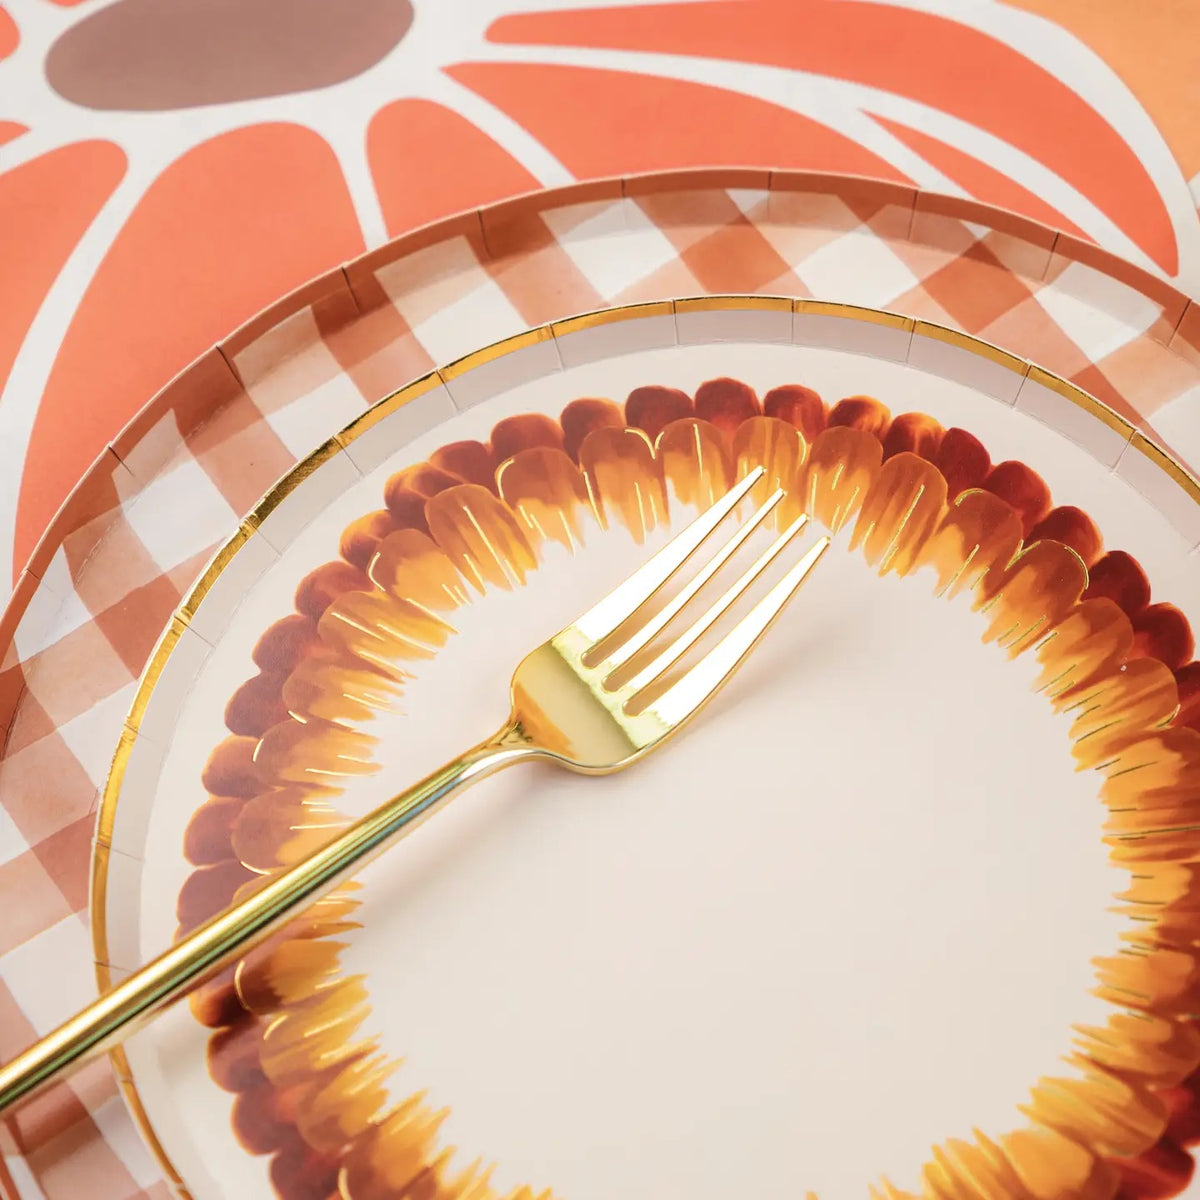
(570,706)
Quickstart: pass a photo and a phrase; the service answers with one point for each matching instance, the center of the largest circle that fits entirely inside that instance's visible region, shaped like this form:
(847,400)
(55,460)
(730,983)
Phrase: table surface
(167,171)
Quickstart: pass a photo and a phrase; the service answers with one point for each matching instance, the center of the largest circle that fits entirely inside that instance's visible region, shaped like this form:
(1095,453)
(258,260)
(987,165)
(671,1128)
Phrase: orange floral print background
(309,1087)
(166,170)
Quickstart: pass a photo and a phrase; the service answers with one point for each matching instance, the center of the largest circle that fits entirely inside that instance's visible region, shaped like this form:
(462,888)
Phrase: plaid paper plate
(111,571)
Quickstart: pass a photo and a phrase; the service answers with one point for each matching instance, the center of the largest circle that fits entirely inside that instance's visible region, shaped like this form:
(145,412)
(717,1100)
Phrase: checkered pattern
(146,520)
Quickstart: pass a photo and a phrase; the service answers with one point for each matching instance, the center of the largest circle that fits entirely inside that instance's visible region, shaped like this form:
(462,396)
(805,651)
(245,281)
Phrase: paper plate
(111,569)
(858,924)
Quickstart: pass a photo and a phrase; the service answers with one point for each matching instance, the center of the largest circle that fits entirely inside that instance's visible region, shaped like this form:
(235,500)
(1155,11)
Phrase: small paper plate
(857,924)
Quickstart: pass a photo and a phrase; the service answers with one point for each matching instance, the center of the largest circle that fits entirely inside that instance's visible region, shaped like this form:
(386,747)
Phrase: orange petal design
(1159,772)
(695,461)
(361,539)
(901,511)
(841,466)
(797,405)
(345,1107)
(862,412)
(625,479)
(334,691)
(380,630)
(209,244)
(465,167)
(918,432)
(1020,485)
(652,407)
(315,1035)
(407,492)
(1159,1050)
(780,449)
(1167,897)
(207,838)
(977,178)
(582,416)
(1027,599)
(936,1182)
(481,536)
(1131,683)
(1154,979)
(46,205)
(1090,643)
(314,752)
(1142,851)
(283,825)
(1074,528)
(886,1190)
(10,36)
(410,566)
(378,1165)
(975,1170)
(726,403)
(322,586)
(1053,1167)
(289,972)
(957,69)
(1162,631)
(548,493)
(524,431)
(1151,825)
(473,1184)
(1099,1109)
(979,532)
(693,123)
(1139,697)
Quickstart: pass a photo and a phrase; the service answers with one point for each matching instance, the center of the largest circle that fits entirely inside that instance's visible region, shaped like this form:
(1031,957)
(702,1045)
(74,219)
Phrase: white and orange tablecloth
(168,169)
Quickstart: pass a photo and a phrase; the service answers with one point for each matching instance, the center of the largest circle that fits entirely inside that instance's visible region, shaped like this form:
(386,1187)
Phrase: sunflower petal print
(912,55)
(299,1032)
(223,154)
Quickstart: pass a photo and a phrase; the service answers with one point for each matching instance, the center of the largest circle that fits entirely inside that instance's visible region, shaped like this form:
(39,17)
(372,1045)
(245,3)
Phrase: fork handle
(211,947)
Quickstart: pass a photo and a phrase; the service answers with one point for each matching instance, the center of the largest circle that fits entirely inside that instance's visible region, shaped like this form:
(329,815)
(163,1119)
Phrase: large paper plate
(857,925)
(106,578)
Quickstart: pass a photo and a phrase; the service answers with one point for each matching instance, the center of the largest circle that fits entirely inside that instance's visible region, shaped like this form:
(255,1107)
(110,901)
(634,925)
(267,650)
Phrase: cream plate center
(848,914)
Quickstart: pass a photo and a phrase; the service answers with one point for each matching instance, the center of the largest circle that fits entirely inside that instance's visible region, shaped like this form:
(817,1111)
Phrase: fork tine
(643,636)
(623,601)
(686,640)
(687,695)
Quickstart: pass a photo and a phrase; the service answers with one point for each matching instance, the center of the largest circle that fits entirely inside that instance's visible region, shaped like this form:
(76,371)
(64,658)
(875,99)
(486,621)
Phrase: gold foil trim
(973,345)
(610,316)
(305,468)
(854,312)
(731,303)
(195,597)
(97,906)
(106,816)
(154,668)
(1165,463)
(519,341)
(388,405)
(1081,399)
